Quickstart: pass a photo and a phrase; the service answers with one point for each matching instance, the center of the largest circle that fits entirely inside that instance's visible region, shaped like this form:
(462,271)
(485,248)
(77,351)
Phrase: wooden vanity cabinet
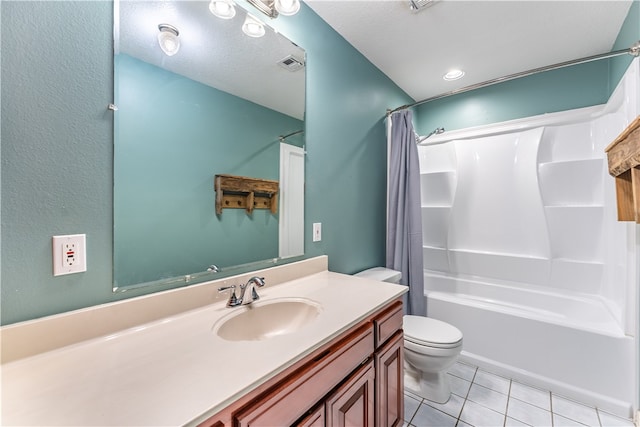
(284,404)
(354,380)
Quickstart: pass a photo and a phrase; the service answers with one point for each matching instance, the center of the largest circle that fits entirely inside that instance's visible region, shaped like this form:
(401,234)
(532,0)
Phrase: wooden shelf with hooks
(241,192)
(624,164)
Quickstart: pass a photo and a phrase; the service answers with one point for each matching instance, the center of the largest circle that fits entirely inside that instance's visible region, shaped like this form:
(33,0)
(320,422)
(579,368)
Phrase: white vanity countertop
(176,371)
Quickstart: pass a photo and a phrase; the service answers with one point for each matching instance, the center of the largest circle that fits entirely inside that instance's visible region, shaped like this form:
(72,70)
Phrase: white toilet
(430,347)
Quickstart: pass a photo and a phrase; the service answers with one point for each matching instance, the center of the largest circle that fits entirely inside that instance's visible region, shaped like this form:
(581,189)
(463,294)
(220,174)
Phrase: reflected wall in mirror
(220,105)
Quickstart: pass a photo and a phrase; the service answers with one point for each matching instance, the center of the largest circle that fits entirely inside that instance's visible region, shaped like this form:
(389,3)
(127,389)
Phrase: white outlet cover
(69,254)
(317,231)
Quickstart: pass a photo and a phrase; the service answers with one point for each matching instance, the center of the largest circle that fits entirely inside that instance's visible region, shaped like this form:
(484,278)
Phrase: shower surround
(523,251)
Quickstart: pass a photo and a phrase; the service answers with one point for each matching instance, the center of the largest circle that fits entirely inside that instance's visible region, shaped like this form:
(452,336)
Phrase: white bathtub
(523,252)
(571,345)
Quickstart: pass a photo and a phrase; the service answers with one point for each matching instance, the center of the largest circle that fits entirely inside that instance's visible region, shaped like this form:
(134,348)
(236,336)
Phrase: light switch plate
(69,254)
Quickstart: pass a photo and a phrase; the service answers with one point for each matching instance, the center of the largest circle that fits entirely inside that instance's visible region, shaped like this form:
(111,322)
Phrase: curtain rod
(634,50)
(283,137)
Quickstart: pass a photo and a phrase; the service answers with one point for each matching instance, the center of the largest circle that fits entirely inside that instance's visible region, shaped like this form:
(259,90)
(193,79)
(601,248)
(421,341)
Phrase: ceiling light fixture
(272,8)
(418,5)
(224,9)
(253,27)
(168,39)
(453,75)
(287,7)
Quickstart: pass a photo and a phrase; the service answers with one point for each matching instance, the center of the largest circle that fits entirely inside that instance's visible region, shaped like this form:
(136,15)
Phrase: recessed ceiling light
(453,75)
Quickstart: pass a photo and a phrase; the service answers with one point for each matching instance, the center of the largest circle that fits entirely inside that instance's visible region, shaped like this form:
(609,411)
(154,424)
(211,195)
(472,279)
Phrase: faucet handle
(233,299)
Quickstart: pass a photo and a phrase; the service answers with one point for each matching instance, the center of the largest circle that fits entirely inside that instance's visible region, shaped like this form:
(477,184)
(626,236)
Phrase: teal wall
(166,159)
(558,90)
(628,35)
(346,145)
(562,89)
(57,153)
(57,150)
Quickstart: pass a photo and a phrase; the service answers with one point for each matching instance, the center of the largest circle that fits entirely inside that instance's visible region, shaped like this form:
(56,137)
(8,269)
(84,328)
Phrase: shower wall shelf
(624,164)
(241,192)
(569,178)
(438,178)
(437,188)
(572,182)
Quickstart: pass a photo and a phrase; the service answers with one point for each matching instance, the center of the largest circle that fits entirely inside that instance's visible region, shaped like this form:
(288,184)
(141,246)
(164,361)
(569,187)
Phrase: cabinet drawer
(387,323)
(289,400)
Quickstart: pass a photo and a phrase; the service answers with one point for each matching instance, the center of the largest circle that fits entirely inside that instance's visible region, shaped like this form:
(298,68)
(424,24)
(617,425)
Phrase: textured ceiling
(487,39)
(215,52)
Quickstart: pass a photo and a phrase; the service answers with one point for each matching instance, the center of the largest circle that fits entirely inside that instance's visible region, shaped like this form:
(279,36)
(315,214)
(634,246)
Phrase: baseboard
(613,406)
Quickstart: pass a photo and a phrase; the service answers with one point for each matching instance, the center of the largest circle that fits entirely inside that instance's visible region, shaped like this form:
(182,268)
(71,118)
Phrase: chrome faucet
(244,298)
(250,286)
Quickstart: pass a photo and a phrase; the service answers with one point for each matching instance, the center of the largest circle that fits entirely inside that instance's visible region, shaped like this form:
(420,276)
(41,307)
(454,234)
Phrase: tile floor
(482,399)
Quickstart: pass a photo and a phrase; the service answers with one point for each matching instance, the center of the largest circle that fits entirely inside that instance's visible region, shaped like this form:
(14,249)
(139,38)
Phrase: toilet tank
(381,274)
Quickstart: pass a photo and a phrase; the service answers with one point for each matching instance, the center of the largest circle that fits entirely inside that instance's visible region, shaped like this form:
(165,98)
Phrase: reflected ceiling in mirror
(218,105)
(216,52)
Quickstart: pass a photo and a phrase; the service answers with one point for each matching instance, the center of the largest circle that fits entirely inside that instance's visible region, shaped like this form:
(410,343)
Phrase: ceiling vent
(418,5)
(291,63)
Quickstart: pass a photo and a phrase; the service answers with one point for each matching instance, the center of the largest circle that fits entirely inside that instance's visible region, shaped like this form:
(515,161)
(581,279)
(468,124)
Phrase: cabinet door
(389,362)
(352,404)
(315,419)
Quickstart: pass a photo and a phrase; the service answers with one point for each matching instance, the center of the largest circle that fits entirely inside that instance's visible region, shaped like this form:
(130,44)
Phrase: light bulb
(168,39)
(287,7)
(252,27)
(224,9)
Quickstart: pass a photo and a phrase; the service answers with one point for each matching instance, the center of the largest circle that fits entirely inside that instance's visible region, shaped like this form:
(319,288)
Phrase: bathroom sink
(262,320)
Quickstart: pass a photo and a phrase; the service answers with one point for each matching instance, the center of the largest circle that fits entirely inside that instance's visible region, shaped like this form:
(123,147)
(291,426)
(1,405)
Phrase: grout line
(417,409)
(466,397)
(550,396)
(506,409)
(551,408)
(598,415)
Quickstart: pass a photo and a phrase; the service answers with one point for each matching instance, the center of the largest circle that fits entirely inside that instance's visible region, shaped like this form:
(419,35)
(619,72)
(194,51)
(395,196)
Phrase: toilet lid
(381,274)
(430,332)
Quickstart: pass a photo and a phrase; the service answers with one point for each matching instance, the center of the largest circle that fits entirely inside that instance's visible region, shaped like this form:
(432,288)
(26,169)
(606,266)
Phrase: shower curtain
(404,216)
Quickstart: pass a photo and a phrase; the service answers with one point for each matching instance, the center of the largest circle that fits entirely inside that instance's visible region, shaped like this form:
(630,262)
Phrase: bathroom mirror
(222,103)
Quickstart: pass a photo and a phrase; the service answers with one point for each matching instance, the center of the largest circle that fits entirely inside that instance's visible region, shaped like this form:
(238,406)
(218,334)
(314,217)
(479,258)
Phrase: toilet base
(431,386)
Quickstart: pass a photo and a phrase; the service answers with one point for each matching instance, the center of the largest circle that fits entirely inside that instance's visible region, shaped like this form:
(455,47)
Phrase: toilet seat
(430,352)
(431,332)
